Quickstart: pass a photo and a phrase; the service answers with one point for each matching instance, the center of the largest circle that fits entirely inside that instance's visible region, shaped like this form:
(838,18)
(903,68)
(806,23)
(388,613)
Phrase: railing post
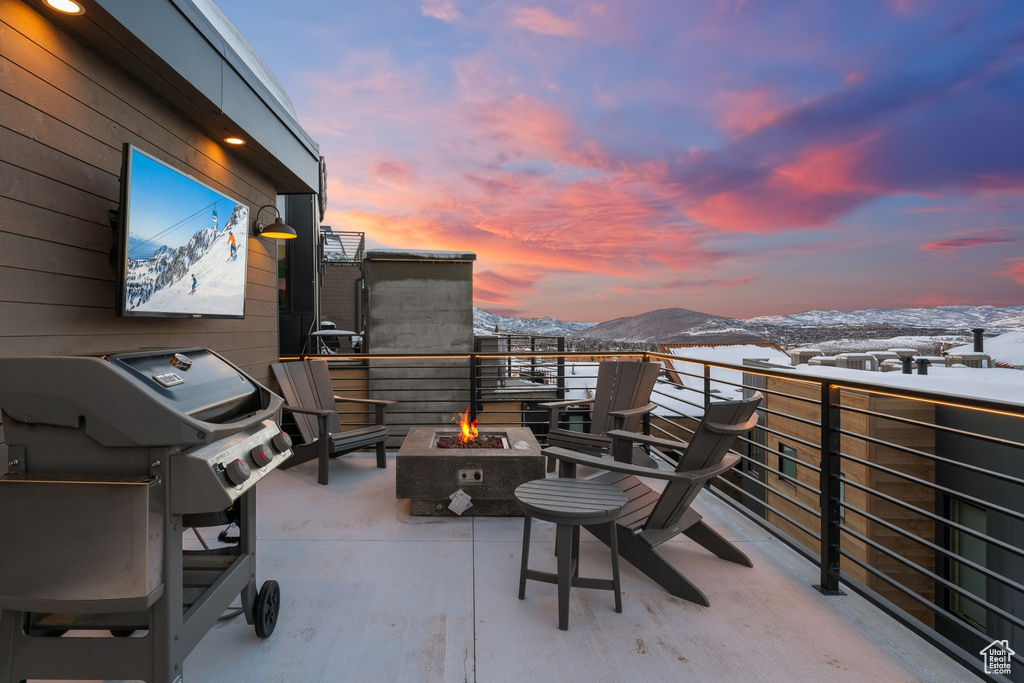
(561,368)
(829,485)
(707,386)
(474,389)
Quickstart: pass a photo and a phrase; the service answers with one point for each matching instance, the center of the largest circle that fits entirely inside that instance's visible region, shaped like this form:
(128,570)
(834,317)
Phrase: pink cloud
(392,171)
(445,10)
(818,185)
(740,113)
(685,285)
(955,243)
(543,20)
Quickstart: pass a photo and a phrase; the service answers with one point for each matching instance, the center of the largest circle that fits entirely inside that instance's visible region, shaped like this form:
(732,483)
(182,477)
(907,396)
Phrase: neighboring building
(950,484)
(174,78)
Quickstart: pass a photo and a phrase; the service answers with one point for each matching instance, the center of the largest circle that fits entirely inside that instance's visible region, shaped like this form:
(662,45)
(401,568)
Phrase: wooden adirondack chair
(649,518)
(306,387)
(619,402)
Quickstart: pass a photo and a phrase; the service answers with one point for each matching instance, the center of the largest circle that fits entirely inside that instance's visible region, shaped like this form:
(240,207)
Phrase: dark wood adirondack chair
(649,518)
(306,387)
(620,401)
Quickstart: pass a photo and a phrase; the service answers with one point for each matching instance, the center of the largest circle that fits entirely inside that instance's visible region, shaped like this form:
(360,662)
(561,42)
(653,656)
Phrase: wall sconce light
(277,230)
(66,6)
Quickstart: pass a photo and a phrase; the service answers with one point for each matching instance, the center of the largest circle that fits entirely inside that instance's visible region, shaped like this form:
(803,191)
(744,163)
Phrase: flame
(469,431)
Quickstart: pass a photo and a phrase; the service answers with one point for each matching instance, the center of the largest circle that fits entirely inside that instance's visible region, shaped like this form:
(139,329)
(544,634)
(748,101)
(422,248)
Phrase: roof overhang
(173,49)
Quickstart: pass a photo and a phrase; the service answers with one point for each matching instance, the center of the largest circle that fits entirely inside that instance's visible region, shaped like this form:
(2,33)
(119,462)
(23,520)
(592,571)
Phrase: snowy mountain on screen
(141,248)
(163,282)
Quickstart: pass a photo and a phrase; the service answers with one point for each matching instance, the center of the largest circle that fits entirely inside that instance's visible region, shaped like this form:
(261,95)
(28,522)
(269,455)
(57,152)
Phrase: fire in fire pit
(469,436)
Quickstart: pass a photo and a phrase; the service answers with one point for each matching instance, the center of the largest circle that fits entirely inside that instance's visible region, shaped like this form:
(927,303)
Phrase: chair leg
(526,557)
(382,455)
(716,543)
(616,585)
(323,463)
(576,550)
(563,541)
(647,560)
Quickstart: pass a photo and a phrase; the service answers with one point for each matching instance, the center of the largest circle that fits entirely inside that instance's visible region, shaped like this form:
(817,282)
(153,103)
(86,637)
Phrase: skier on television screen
(194,283)
(231,241)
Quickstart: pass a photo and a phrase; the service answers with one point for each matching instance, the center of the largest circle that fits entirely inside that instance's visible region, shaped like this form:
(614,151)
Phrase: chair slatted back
(621,386)
(307,384)
(706,449)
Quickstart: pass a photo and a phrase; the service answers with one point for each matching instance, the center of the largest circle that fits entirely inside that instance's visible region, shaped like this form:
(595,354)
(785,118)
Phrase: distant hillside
(484,323)
(669,325)
(677,325)
(993,319)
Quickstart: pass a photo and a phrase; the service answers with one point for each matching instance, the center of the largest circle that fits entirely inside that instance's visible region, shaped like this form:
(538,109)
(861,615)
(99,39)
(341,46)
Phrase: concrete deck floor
(372,594)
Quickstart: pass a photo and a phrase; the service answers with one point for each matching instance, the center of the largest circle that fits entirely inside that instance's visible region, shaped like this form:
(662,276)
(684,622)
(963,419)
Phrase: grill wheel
(268,602)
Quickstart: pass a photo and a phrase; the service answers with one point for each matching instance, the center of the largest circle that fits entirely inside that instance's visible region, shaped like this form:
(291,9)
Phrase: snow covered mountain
(484,323)
(677,325)
(991,318)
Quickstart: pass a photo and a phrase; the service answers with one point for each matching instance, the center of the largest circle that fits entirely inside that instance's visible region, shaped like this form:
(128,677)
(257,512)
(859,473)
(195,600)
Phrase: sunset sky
(736,157)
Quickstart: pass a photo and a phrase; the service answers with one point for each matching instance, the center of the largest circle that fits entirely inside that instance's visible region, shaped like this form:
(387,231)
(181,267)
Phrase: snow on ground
(220,286)
(925,345)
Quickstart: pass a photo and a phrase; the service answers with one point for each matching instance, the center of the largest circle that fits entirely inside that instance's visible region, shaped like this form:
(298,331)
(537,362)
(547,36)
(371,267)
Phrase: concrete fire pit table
(428,475)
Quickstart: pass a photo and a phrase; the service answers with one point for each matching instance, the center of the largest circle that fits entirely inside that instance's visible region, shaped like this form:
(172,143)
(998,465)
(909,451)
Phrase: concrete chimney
(979,339)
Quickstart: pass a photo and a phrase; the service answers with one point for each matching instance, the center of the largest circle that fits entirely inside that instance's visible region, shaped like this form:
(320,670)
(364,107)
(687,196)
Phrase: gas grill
(109,461)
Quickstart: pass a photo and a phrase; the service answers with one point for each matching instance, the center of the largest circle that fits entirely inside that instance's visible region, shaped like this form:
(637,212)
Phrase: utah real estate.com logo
(997,657)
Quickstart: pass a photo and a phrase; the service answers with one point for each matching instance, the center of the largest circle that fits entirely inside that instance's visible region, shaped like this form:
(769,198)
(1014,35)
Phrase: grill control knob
(261,456)
(237,472)
(281,442)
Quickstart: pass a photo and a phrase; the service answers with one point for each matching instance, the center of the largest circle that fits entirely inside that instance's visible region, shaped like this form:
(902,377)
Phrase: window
(787,460)
(969,548)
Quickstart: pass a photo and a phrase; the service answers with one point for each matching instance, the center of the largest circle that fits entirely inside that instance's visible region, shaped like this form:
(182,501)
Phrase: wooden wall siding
(920,496)
(64,114)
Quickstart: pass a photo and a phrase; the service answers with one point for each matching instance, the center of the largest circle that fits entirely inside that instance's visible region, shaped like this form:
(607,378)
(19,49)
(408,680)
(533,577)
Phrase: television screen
(183,244)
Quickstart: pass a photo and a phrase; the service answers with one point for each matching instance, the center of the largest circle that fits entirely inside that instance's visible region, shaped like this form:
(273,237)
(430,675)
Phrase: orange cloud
(1014,271)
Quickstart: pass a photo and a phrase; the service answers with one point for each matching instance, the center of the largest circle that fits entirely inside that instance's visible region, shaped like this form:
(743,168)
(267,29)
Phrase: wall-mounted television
(182,243)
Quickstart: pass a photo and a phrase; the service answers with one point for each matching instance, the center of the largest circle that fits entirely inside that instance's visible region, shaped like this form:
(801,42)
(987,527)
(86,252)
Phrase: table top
(419,442)
(570,501)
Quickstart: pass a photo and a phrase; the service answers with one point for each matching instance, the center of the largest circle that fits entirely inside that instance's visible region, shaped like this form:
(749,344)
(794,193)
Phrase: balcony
(884,522)
(913,564)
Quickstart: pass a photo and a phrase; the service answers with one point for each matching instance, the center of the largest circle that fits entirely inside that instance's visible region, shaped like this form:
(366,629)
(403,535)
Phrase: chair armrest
(633,411)
(733,429)
(567,402)
(688,477)
(367,401)
(306,411)
(637,437)
(554,409)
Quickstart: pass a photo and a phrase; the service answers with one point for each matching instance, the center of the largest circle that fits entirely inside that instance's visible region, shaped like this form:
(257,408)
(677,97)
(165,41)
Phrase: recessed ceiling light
(66,6)
(232,140)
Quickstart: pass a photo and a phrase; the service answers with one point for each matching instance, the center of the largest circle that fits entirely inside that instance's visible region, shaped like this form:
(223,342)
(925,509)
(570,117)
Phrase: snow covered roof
(733,354)
(418,255)
(1006,349)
